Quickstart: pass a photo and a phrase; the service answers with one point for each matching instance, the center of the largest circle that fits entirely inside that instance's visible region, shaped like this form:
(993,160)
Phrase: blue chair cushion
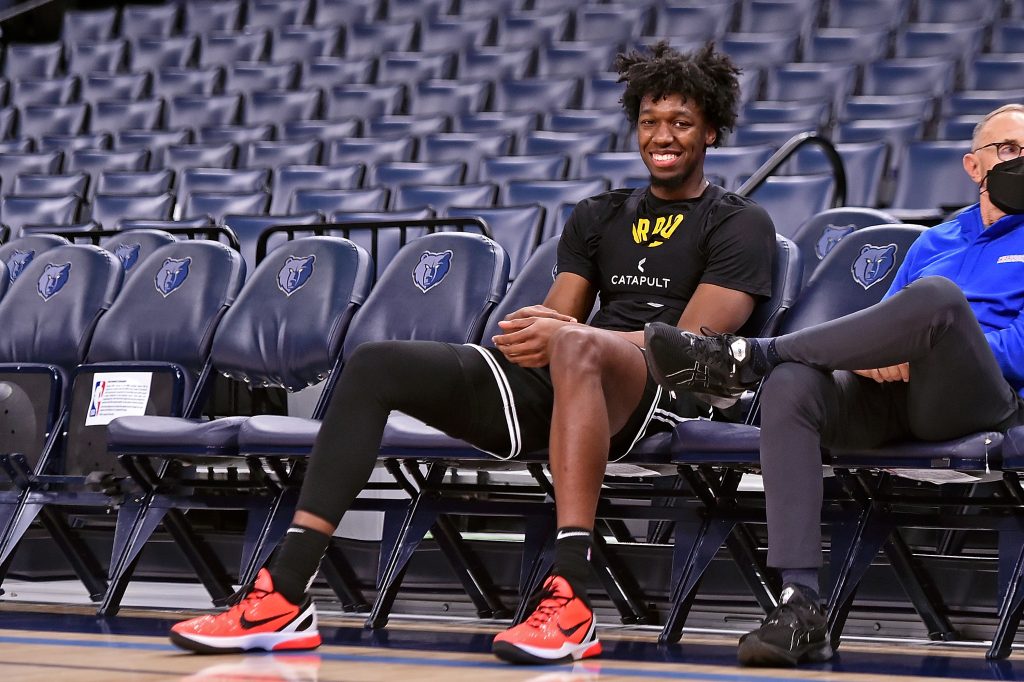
(270,433)
(405,436)
(699,440)
(159,435)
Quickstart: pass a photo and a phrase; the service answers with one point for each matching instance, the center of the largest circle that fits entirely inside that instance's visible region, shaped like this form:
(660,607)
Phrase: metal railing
(786,151)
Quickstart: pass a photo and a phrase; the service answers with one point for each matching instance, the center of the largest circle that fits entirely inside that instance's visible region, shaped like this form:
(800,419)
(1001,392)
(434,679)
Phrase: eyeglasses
(1006,151)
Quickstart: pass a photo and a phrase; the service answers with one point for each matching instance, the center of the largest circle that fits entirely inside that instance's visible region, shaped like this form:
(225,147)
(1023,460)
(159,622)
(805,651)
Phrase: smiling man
(680,251)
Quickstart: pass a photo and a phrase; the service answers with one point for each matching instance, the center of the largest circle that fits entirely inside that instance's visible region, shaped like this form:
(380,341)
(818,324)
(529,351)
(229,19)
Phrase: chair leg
(81,558)
(623,590)
(763,584)
(919,587)
(135,526)
(202,559)
(868,538)
(1010,610)
(264,529)
(340,575)
(469,570)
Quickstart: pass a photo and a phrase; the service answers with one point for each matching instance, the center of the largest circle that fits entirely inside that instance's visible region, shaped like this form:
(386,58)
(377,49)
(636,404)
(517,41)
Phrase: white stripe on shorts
(507,399)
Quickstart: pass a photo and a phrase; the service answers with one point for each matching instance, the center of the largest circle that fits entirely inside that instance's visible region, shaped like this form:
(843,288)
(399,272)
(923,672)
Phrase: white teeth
(664,157)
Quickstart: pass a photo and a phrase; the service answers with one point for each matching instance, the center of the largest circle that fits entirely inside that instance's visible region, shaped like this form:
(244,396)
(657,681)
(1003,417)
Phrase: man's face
(672,136)
(1005,127)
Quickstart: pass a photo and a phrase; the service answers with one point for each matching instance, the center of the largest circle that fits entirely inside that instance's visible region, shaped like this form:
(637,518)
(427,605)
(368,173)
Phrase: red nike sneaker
(561,629)
(261,619)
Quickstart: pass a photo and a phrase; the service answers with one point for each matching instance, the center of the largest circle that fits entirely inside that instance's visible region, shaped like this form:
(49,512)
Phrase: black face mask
(1005,184)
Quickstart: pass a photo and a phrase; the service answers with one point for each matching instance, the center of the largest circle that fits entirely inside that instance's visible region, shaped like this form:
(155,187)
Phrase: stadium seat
(341,13)
(945,41)
(864,163)
(440,197)
(400,125)
(303,43)
(16,254)
(535,94)
(956,11)
(236,135)
(602,92)
(369,150)
(516,228)
(271,14)
(772,16)
(248,229)
(174,82)
(871,14)
(18,146)
(104,57)
(199,111)
(384,241)
(759,50)
(276,106)
(973,102)
(114,87)
(16,212)
(83,26)
(288,179)
(490,63)
(218,49)
(494,122)
(957,127)
(328,201)
(896,133)
(114,116)
(771,134)
(830,82)
(108,210)
(888,107)
(996,72)
(909,76)
(276,154)
(791,200)
(31,60)
(363,101)
(469,148)
(26,91)
(823,231)
(533,28)
(394,173)
(133,247)
(561,60)
(813,116)
(150,21)
(222,180)
(932,177)
(52,119)
(850,45)
(501,169)
(94,161)
(190,224)
(153,54)
(616,167)
(15,163)
(1007,36)
(38,185)
(705,21)
(449,97)
(458,34)
(219,204)
(733,163)
(134,182)
(211,16)
(615,24)
(182,156)
(412,67)
(69,143)
(155,141)
(328,73)
(365,40)
(572,145)
(324,131)
(246,77)
(550,194)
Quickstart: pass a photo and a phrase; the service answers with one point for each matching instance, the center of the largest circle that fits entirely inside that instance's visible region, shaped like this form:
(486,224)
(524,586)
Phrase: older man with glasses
(940,357)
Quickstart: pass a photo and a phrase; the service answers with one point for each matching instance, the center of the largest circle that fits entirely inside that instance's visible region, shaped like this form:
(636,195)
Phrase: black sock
(765,356)
(572,558)
(297,562)
(804,577)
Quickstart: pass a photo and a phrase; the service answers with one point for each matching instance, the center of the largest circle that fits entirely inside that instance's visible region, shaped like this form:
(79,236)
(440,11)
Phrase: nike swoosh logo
(249,624)
(571,631)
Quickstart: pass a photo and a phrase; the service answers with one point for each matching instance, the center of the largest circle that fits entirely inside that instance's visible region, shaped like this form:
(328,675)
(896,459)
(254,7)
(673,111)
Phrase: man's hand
(538,311)
(885,374)
(525,341)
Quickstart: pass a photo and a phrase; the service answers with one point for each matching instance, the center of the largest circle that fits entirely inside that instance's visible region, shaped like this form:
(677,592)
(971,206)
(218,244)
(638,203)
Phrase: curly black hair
(704,76)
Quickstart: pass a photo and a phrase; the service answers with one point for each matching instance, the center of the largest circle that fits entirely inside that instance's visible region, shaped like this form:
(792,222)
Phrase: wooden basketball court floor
(49,632)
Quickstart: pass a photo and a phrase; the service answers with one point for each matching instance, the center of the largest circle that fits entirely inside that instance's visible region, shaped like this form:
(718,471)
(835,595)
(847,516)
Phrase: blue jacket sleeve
(1008,347)
(905,275)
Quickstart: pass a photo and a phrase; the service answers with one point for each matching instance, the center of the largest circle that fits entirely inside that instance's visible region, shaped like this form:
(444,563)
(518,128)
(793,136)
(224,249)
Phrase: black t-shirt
(646,256)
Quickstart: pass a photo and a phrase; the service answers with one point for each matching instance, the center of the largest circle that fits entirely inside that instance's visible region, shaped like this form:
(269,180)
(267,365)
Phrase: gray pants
(808,401)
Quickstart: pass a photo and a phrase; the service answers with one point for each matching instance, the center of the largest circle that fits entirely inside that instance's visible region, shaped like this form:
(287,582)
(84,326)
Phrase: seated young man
(941,356)
(680,251)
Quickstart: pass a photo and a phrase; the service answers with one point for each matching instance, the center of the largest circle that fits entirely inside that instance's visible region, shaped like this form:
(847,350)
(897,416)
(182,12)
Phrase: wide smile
(664,159)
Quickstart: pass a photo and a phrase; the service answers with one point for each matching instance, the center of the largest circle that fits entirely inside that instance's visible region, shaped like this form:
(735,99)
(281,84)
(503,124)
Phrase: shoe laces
(713,349)
(548,605)
(245,596)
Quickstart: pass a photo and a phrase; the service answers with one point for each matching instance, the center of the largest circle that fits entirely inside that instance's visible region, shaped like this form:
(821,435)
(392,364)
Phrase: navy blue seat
(771,134)
(440,197)
(198,111)
(458,34)
(602,92)
(864,162)
(400,125)
(468,148)
(20,145)
(114,87)
(575,59)
(108,210)
(791,200)
(328,72)
(302,43)
(95,161)
(288,179)
(954,128)
(871,14)
(823,231)
(248,229)
(612,25)
(276,106)
(449,97)
(533,28)
(909,76)
(276,154)
(364,40)
(1007,34)
(219,204)
(149,20)
(956,11)
(813,117)
(320,130)
(771,16)
(386,238)
(413,67)
(342,12)
(208,16)
(995,72)
(266,14)
(16,254)
(32,60)
(753,50)
(133,247)
(363,101)
(815,82)
(246,77)
(501,169)
(888,107)
(328,201)
(897,133)
(236,134)
(616,167)
(17,212)
(153,142)
(732,164)
(394,173)
(572,145)
(13,163)
(171,82)
(217,49)
(51,119)
(706,21)
(222,180)
(181,156)
(88,25)
(535,94)
(973,102)
(40,185)
(850,45)
(518,125)
(516,228)
(25,91)
(488,63)
(114,116)
(285,329)
(153,54)
(932,177)
(101,57)
(945,40)
(70,143)
(551,194)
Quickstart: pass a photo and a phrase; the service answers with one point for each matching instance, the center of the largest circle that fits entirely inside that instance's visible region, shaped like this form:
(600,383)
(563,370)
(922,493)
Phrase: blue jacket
(988,266)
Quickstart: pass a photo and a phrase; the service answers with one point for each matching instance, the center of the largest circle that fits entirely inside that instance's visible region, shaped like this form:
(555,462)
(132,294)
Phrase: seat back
(56,301)
(932,176)
(530,287)
(132,247)
(551,195)
(110,209)
(18,253)
(854,275)
(248,229)
(168,310)
(516,228)
(787,269)
(288,179)
(441,287)
(791,200)
(287,326)
(16,212)
(823,231)
(501,169)
(440,197)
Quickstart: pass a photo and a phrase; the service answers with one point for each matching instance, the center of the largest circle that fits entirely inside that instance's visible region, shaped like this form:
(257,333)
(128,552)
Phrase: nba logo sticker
(98,390)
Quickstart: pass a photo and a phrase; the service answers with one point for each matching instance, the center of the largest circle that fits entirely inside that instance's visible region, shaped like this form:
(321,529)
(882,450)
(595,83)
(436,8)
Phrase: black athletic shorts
(512,406)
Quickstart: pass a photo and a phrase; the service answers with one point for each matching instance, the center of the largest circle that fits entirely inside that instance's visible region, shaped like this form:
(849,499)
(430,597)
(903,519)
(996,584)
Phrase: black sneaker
(795,632)
(717,368)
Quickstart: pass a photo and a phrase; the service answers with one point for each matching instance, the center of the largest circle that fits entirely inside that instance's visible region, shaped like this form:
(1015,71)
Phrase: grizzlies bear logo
(431,269)
(873,263)
(128,254)
(171,275)
(52,280)
(17,263)
(295,272)
(830,236)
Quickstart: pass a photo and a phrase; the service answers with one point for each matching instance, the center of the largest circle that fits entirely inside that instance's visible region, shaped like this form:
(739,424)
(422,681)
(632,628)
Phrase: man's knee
(371,359)
(791,386)
(941,295)
(576,347)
